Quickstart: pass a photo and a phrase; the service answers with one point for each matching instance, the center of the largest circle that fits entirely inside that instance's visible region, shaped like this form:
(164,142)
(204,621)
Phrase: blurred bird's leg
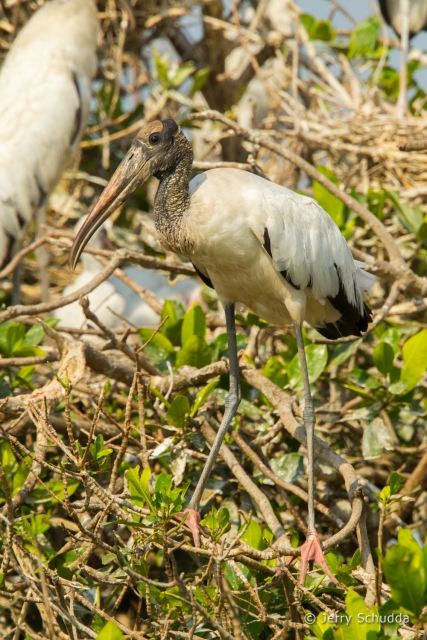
(311,549)
(402,101)
(42,254)
(231,405)
(16,280)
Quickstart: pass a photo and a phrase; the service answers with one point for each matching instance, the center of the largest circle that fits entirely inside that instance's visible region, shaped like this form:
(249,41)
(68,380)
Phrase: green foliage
(160,350)
(110,631)
(361,623)
(289,466)
(363,41)
(317,358)
(318,29)
(411,217)
(139,487)
(218,523)
(17,342)
(172,327)
(177,411)
(330,203)
(203,395)
(194,324)
(100,462)
(164,502)
(414,354)
(376,439)
(274,370)
(383,357)
(195,353)
(405,569)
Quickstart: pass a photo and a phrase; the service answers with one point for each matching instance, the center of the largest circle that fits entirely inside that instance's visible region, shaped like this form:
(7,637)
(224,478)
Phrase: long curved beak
(134,169)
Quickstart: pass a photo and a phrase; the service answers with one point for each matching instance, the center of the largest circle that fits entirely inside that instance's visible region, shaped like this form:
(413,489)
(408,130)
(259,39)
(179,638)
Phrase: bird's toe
(192,521)
(312,550)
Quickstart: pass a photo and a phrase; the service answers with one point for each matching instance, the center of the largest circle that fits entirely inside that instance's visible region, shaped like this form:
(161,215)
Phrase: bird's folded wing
(307,247)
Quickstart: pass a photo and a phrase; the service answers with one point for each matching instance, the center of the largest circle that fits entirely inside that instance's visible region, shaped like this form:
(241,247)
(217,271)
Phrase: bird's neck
(171,204)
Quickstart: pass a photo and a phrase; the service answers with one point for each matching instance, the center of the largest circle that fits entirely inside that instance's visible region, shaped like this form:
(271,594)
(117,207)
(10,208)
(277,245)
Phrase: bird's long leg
(231,404)
(311,549)
(16,290)
(42,255)
(402,102)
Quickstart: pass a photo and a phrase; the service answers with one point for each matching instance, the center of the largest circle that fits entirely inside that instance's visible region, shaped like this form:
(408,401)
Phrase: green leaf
(406,574)
(342,352)
(184,72)
(160,349)
(253,536)
(376,438)
(363,40)
(203,395)
(195,353)
(162,68)
(385,494)
(274,370)
(396,482)
(15,337)
(177,411)
(194,324)
(110,632)
(139,487)
(26,373)
(317,29)
(34,336)
(391,337)
(317,358)
(199,80)
(383,357)
(415,359)
(358,622)
(330,203)
(172,327)
(288,466)
(40,495)
(109,557)
(159,340)
(411,217)
(364,379)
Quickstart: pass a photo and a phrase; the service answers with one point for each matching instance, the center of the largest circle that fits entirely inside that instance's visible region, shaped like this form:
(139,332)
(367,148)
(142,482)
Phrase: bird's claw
(192,521)
(312,550)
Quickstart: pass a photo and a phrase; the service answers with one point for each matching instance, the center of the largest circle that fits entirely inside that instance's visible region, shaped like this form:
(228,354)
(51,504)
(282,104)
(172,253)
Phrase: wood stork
(45,90)
(407,17)
(255,242)
(114,300)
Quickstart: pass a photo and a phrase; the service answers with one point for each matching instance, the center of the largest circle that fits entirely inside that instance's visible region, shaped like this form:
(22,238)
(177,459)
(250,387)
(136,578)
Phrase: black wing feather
(207,281)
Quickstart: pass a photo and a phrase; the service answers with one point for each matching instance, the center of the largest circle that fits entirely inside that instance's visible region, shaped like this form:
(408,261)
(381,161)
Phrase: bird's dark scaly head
(156,151)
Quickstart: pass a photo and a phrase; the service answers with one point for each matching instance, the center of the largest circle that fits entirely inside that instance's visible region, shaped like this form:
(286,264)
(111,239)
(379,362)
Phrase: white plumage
(407,17)
(393,15)
(304,242)
(45,90)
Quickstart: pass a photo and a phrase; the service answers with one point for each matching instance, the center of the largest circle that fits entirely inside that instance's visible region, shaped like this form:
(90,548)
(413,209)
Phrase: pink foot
(312,550)
(192,521)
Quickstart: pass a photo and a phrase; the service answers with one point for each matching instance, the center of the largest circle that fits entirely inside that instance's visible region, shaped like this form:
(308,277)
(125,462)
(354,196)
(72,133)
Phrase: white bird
(113,300)
(45,91)
(407,17)
(255,242)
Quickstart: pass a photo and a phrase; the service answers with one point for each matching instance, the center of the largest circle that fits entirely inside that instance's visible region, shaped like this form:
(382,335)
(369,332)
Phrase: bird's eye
(154,138)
